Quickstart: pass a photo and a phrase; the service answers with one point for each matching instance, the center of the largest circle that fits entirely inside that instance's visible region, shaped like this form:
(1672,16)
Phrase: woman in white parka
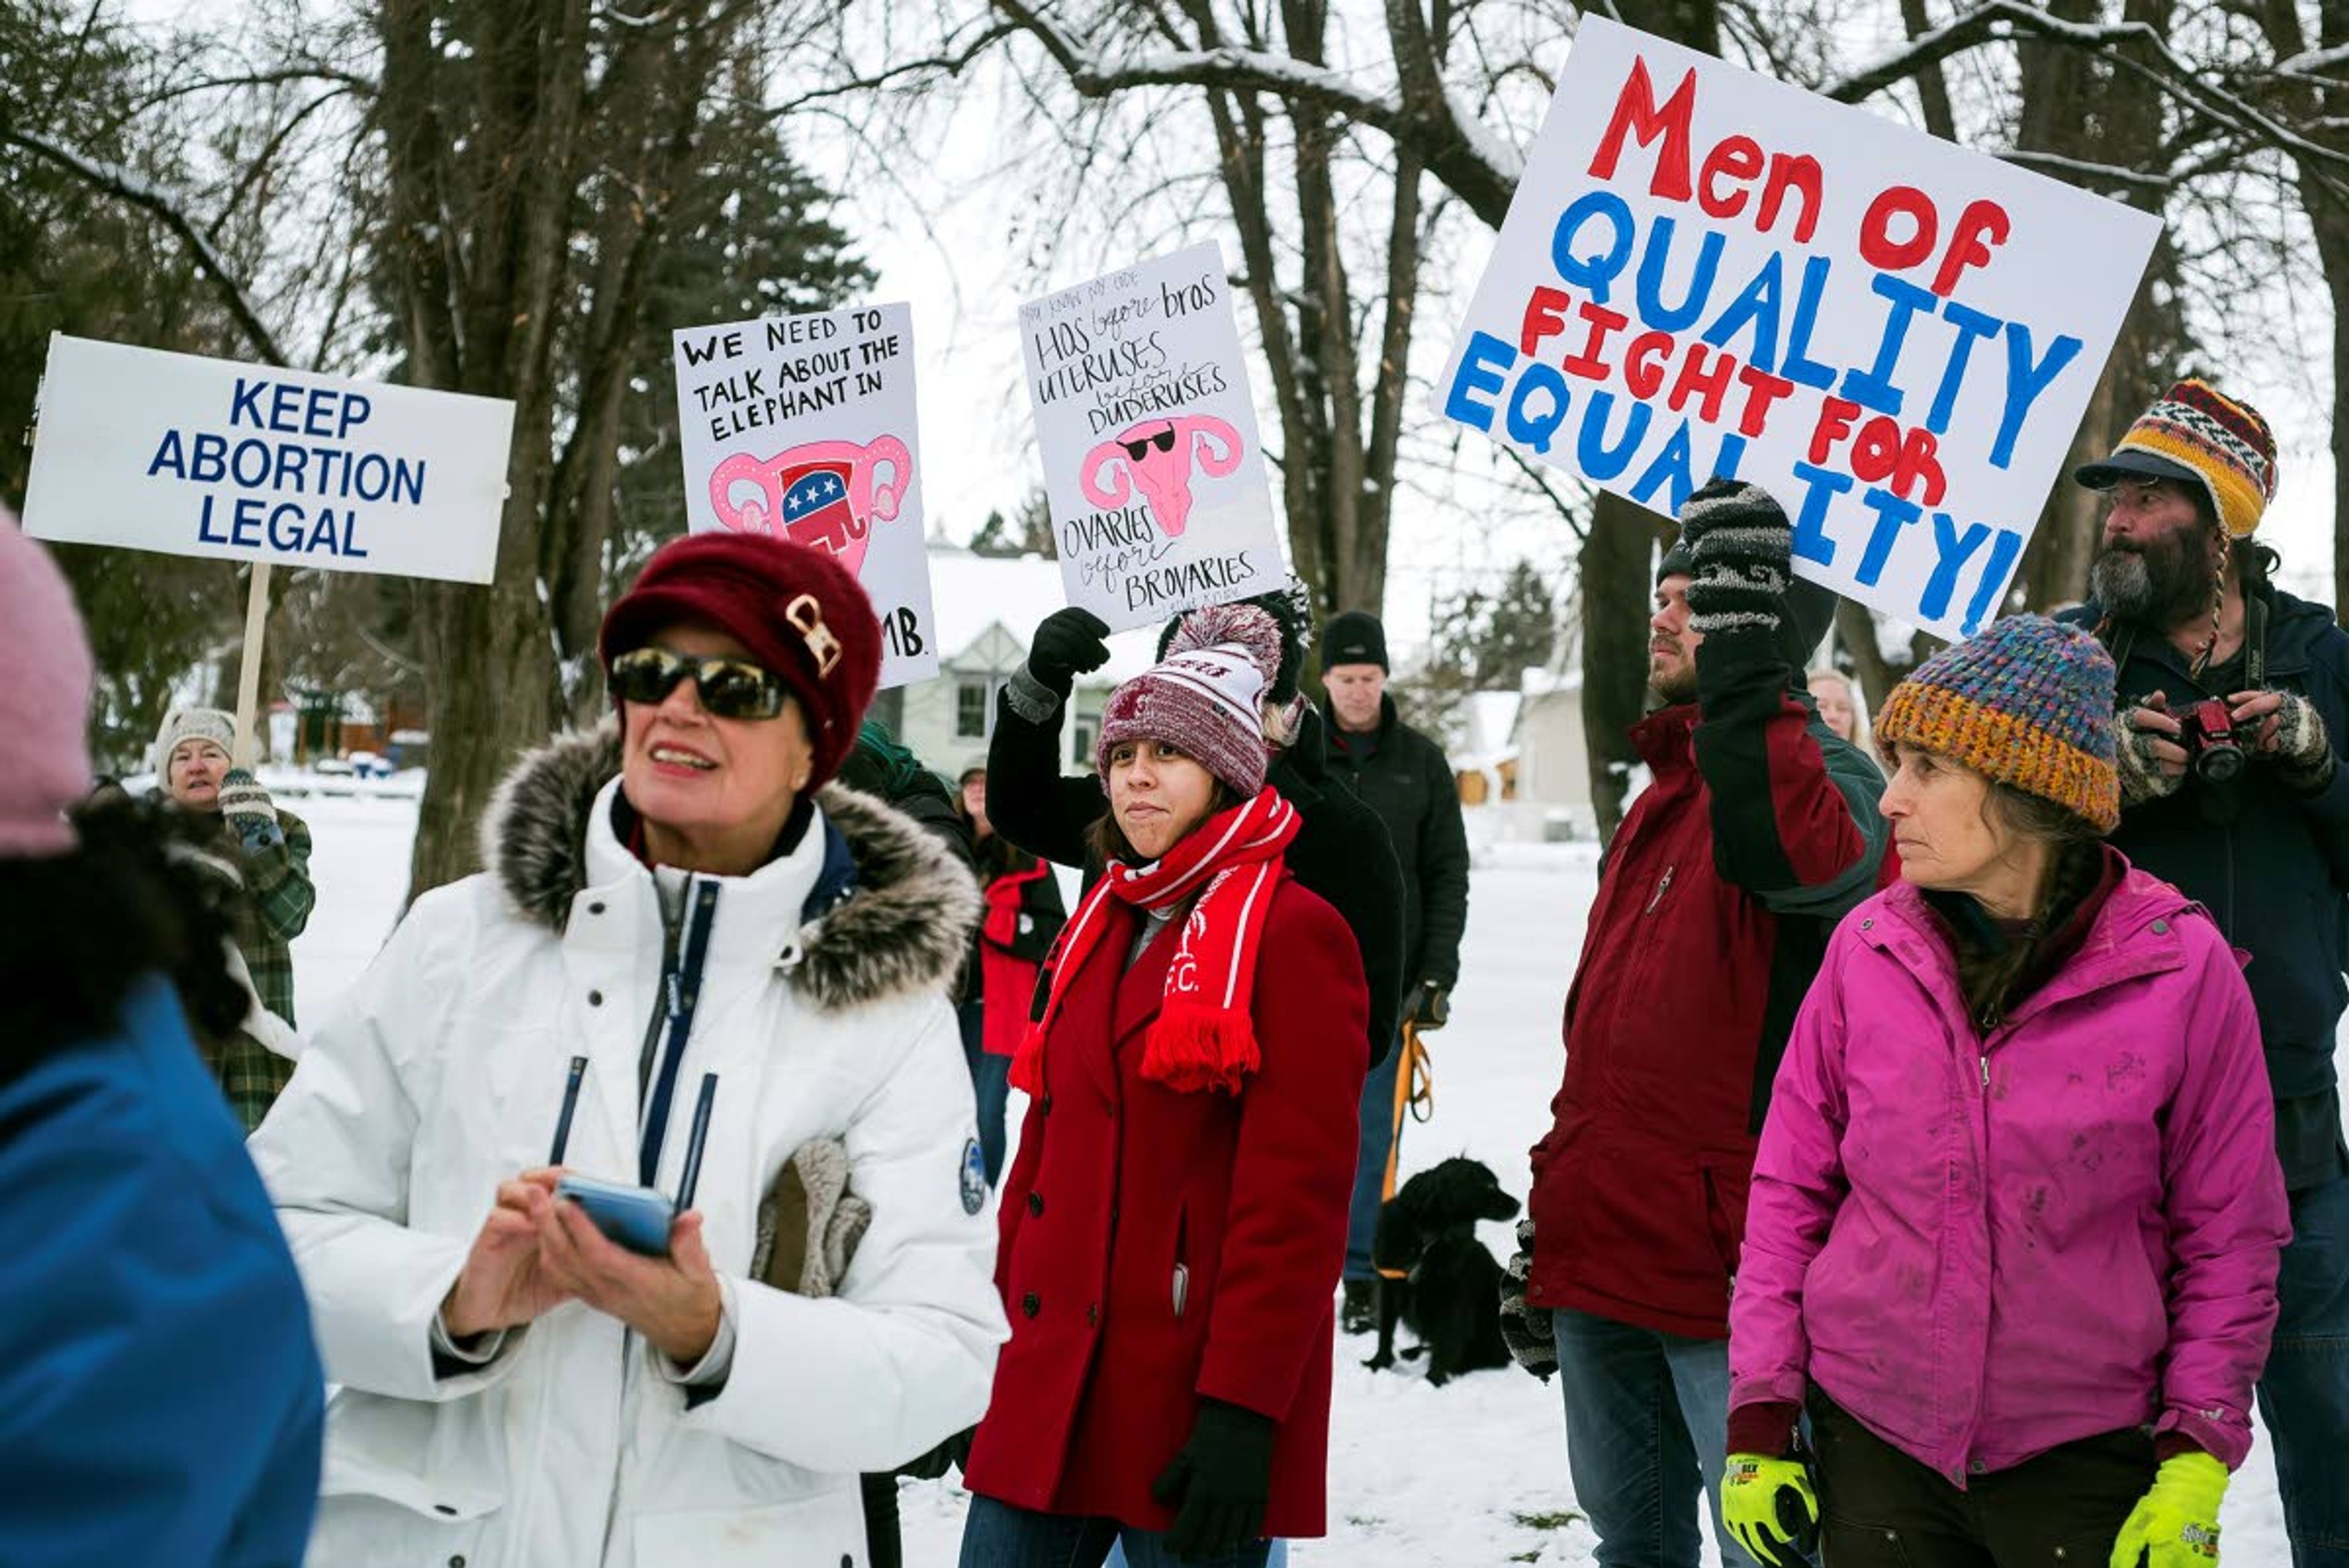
(516,1391)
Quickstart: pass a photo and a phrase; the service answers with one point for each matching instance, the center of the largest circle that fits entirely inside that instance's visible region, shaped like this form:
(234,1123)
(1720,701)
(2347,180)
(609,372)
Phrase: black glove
(1741,547)
(1431,1007)
(1066,643)
(1218,1485)
(933,1465)
(2302,753)
(247,807)
(1531,1334)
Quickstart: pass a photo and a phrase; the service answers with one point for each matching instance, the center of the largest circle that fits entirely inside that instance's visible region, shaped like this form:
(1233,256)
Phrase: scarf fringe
(1232,863)
(1193,1047)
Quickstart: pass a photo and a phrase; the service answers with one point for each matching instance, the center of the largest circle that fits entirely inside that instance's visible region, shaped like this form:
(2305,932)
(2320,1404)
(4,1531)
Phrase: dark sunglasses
(730,688)
(1138,450)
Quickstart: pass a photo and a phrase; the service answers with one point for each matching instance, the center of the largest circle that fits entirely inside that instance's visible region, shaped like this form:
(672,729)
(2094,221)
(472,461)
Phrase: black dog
(1450,1291)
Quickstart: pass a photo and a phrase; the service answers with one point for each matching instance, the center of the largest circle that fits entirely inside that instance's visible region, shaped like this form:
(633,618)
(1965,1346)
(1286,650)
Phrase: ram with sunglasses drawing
(534,1168)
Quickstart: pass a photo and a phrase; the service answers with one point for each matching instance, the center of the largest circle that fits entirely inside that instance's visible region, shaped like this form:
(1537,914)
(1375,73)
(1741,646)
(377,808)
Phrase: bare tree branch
(952,64)
(1461,153)
(164,207)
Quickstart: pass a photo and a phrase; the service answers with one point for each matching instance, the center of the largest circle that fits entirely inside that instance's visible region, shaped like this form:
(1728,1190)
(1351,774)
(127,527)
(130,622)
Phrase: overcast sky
(958,235)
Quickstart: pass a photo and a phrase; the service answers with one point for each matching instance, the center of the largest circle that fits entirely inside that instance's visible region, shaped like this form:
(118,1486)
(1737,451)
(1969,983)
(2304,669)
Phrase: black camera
(2207,731)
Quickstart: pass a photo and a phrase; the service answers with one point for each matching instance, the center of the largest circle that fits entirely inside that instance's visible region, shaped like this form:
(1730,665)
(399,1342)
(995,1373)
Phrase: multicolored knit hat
(1205,698)
(2199,433)
(2029,703)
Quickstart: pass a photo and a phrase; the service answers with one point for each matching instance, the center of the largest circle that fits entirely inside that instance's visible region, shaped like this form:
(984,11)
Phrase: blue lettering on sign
(1536,427)
(1594,276)
(2026,378)
(1973,326)
(1820,488)
(1757,306)
(1873,388)
(1591,452)
(1892,514)
(1654,311)
(2001,561)
(1951,551)
(1479,374)
(262,490)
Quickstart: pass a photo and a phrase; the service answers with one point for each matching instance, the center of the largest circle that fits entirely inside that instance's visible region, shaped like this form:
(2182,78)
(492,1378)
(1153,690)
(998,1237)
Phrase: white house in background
(986,608)
(1553,763)
(1485,757)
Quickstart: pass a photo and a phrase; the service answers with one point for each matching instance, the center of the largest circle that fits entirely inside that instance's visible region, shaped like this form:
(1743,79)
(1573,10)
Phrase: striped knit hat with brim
(1205,698)
(2028,702)
(2197,433)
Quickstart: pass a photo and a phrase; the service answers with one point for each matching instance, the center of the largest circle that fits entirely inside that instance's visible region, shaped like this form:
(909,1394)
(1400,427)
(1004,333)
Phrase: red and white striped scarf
(1204,1035)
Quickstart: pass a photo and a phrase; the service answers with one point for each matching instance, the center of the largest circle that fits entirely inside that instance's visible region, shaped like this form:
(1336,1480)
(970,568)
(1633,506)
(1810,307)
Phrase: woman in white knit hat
(1174,1222)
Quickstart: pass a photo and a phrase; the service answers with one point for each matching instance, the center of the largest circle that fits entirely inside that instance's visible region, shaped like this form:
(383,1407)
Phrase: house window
(970,710)
(1081,739)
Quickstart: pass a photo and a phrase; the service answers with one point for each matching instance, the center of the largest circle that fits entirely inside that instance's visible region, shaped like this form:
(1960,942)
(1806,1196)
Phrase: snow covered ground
(1472,1475)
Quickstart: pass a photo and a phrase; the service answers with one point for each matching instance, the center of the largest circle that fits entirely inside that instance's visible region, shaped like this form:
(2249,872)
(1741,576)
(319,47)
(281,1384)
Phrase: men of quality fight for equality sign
(1705,272)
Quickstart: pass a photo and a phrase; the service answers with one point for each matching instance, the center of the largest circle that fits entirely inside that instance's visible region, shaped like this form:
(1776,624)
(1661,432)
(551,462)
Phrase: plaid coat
(274,908)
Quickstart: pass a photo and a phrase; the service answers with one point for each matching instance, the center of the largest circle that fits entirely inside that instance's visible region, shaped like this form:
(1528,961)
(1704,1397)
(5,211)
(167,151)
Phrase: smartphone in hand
(636,1218)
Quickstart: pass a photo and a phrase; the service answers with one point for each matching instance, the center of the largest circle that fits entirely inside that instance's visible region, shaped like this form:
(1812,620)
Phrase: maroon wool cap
(797,611)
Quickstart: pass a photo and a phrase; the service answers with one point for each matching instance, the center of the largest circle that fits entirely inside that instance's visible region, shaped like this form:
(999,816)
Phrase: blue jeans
(990,1081)
(2304,1391)
(1276,1557)
(1370,1165)
(1646,1436)
(998,1536)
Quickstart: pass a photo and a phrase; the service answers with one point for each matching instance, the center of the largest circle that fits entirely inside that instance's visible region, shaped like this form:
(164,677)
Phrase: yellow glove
(2174,1524)
(1769,1506)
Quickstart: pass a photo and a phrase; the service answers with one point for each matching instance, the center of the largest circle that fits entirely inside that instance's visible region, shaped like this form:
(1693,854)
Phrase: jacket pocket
(1179,1293)
(826,1528)
(443,1462)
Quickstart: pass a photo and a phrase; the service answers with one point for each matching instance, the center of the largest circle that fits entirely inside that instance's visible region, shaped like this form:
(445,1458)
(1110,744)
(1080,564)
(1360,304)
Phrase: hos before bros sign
(1151,460)
(1707,272)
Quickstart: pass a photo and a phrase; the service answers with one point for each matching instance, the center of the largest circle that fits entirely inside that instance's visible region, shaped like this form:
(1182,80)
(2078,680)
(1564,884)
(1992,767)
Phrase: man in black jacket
(1401,774)
(1340,851)
(2254,823)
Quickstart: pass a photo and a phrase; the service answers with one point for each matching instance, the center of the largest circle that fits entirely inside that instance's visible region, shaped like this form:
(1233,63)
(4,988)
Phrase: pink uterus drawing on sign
(825,494)
(1156,456)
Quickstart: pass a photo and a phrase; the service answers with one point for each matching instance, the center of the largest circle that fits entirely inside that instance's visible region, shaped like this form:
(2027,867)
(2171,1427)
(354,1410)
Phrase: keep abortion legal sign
(1151,460)
(189,456)
(1705,271)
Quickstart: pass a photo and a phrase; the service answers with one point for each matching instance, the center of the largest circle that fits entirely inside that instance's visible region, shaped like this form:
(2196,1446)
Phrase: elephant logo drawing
(1156,456)
(826,494)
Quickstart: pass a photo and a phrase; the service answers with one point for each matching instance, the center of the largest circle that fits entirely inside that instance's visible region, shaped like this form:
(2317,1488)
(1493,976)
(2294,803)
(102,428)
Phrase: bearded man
(2232,696)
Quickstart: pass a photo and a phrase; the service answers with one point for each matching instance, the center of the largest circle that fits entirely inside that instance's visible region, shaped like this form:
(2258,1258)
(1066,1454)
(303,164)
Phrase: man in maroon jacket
(1758,833)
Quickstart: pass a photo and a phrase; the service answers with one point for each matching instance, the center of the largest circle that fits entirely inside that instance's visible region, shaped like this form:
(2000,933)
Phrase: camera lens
(2218,762)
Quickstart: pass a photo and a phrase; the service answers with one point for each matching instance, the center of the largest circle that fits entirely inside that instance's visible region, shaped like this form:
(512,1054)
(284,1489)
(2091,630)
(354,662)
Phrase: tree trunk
(1617,557)
(1619,551)
(2081,106)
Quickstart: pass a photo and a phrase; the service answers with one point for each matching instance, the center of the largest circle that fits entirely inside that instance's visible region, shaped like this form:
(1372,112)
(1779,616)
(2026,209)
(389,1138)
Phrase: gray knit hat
(192,725)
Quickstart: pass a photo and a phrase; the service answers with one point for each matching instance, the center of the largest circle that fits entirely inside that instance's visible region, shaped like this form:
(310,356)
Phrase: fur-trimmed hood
(904,924)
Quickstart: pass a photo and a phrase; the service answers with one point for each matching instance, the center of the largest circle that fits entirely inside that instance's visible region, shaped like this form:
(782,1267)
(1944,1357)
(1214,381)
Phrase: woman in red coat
(1174,1222)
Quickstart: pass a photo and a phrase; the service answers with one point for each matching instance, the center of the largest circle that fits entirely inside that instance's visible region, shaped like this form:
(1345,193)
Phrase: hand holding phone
(636,1218)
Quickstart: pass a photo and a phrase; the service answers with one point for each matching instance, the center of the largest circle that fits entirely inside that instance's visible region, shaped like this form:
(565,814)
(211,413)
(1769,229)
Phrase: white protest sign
(803,427)
(190,456)
(1707,272)
(1150,456)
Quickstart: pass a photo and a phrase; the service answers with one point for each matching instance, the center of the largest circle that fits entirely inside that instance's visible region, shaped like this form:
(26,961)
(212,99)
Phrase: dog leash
(1414,1098)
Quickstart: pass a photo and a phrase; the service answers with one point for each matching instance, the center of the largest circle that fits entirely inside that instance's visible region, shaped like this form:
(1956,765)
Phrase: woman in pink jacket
(2016,1213)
